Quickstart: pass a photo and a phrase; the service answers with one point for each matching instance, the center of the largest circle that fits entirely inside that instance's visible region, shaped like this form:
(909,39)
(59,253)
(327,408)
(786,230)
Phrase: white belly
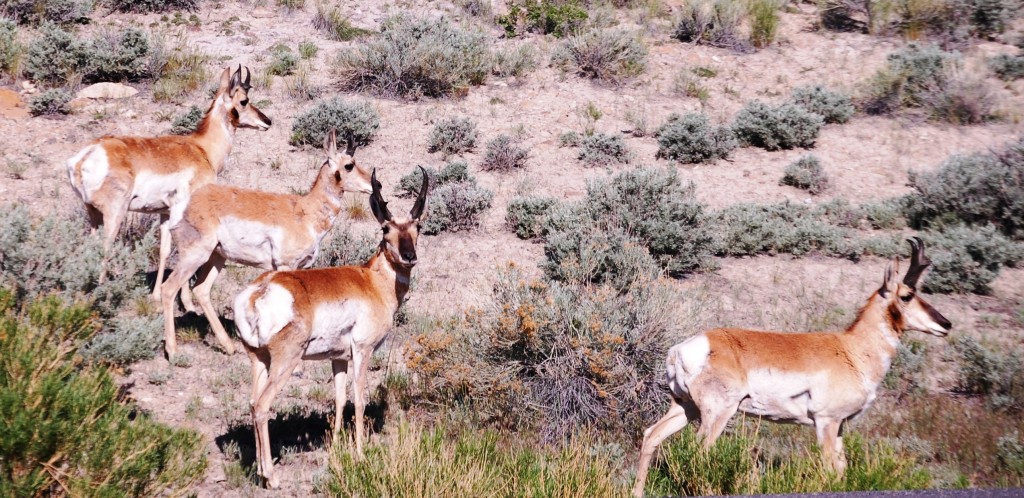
(333,327)
(250,243)
(152,192)
(781,396)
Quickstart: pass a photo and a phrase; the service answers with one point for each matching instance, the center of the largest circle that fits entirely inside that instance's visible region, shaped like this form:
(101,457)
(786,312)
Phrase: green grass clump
(282,61)
(358,118)
(560,18)
(330,20)
(413,57)
(64,426)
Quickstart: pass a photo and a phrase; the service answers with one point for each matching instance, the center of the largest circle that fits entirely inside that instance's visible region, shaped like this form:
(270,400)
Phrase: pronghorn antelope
(114,175)
(340,314)
(819,379)
(262,229)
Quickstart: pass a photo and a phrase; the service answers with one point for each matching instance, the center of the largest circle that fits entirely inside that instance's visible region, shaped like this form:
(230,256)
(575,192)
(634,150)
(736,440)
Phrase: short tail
(261,310)
(74,166)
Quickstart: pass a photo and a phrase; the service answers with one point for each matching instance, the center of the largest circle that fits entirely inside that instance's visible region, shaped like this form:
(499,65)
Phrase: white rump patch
(244,316)
(274,310)
(93,170)
(685,361)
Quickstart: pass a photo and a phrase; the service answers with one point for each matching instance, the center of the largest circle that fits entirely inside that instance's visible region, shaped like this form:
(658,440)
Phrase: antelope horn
(248,76)
(421,199)
(377,203)
(918,262)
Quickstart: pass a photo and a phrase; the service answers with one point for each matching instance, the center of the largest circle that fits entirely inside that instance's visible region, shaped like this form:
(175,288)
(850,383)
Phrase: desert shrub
(887,214)
(907,371)
(606,55)
(949,22)
(564,355)
(975,189)
(596,252)
(455,202)
(734,465)
(929,80)
(477,8)
(652,205)
(834,107)
(470,462)
(452,136)
(806,173)
(36,12)
(343,246)
(504,154)
(773,128)
(58,415)
(142,6)
(525,216)
(691,139)
(570,139)
(358,118)
(57,255)
(128,339)
(54,101)
(557,17)
(999,375)
(601,150)
(750,229)
(308,50)
(417,56)
(282,60)
(11,50)
(764,22)
(1007,67)
(714,23)
(453,172)
(57,56)
(330,20)
(515,61)
(1011,453)
(183,71)
(968,258)
(187,123)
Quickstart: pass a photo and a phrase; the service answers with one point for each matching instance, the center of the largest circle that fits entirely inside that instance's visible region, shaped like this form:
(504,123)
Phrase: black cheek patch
(337,176)
(234,114)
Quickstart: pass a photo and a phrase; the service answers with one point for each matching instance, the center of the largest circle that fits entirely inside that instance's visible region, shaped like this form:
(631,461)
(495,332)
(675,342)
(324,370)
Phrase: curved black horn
(377,204)
(350,144)
(918,262)
(236,77)
(421,199)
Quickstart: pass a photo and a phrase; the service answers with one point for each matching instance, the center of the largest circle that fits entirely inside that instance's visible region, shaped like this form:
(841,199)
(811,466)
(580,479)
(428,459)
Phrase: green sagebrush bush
(772,128)
(691,139)
(414,57)
(553,356)
(714,23)
(57,56)
(806,173)
(601,149)
(968,258)
(1007,67)
(750,229)
(143,6)
(652,209)
(49,102)
(987,371)
(525,216)
(11,49)
(504,154)
(452,136)
(126,340)
(559,17)
(283,60)
(64,430)
(36,12)
(833,107)
(735,466)
(419,461)
(907,373)
(975,189)
(515,61)
(455,202)
(344,246)
(187,122)
(359,119)
(609,55)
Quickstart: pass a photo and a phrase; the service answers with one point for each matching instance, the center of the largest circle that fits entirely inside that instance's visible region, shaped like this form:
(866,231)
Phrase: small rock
(500,83)
(106,91)
(208,401)
(78,104)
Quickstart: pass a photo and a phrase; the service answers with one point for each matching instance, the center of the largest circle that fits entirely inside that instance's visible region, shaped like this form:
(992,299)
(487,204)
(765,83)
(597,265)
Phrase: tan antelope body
(114,175)
(819,379)
(261,229)
(340,314)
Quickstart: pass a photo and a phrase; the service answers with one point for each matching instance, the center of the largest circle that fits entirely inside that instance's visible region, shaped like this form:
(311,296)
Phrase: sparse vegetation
(558,17)
(415,57)
(1006,67)
(50,102)
(187,123)
(504,154)
(806,173)
(329,20)
(452,136)
(525,216)
(833,107)
(358,118)
(602,150)
(183,72)
(455,203)
(282,61)
(605,55)
(691,139)
(773,128)
(143,6)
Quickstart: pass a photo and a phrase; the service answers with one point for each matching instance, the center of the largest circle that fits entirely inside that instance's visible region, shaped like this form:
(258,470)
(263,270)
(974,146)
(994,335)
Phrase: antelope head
(906,308)
(233,95)
(340,169)
(400,234)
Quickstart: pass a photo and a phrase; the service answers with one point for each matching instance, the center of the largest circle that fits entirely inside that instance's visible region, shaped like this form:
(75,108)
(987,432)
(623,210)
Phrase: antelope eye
(349,166)
(907,298)
(244,102)
(386,229)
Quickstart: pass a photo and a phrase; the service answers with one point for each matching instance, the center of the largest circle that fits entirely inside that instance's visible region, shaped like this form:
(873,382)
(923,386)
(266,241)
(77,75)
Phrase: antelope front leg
(828,438)
(361,362)
(672,422)
(340,368)
(165,252)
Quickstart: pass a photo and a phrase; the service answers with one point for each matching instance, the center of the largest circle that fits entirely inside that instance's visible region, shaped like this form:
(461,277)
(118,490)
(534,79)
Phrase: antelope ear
(225,80)
(330,144)
(378,206)
(350,144)
(889,284)
(236,78)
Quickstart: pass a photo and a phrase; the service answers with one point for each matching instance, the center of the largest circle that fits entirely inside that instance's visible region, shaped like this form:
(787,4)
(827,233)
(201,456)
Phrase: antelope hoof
(271,482)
